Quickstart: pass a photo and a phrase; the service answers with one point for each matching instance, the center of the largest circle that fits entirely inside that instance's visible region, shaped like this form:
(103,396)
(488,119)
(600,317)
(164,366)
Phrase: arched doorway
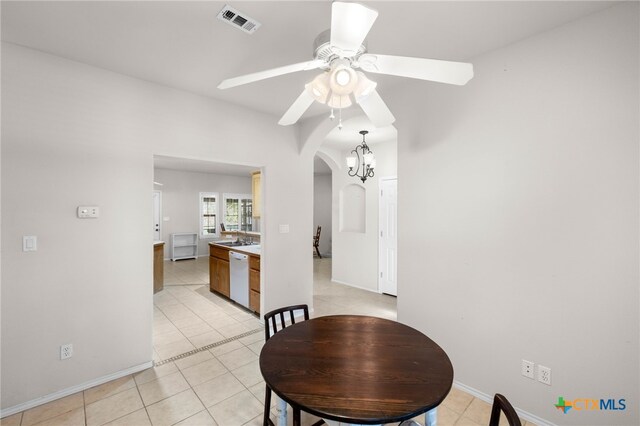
(354,233)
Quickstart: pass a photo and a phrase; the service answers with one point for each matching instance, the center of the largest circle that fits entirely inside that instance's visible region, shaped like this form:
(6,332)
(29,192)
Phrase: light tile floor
(221,385)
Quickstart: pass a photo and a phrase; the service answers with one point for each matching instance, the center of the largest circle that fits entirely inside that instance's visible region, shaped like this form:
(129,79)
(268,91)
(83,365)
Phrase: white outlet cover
(88,212)
(66,351)
(528,368)
(544,375)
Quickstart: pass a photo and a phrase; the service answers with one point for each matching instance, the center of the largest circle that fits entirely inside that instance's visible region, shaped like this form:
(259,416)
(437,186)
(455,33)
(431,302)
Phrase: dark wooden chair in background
(316,241)
(501,404)
(271,321)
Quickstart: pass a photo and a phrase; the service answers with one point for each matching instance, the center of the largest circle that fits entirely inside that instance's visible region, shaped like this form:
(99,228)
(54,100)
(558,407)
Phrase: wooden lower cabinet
(213,275)
(158,267)
(254,283)
(224,277)
(254,301)
(219,279)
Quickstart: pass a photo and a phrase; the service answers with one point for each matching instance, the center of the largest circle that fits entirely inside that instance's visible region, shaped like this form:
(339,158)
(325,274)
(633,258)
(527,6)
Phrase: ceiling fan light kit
(319,88)
(339,52)
(339,101)
(342,78)
(364,87)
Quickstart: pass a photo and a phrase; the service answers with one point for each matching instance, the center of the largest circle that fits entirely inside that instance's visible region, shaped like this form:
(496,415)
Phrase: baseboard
(355,286)
(73,389)
(524,415)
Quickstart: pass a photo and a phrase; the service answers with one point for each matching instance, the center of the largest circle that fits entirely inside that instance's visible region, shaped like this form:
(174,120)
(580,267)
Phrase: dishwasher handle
(237,256)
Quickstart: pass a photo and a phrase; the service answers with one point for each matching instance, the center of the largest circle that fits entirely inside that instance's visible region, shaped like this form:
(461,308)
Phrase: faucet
(246,240)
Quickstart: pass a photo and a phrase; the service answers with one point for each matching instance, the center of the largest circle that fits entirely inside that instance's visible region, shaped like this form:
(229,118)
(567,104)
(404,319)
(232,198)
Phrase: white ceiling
(349,136)
(181,43)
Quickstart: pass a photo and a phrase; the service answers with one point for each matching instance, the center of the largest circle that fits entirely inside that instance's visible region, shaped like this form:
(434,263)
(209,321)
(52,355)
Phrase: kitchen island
(234,288)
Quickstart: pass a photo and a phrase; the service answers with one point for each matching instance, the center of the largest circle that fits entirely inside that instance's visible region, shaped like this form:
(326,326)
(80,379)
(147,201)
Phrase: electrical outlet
(527,368)
(544,375)
(66,351)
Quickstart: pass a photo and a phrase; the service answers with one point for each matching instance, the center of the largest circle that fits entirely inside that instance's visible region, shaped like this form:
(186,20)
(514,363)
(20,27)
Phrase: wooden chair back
(502,405)
(316,241)
(271,323)
(271,318)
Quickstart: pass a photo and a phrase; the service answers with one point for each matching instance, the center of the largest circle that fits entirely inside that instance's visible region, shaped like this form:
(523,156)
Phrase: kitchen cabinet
(219,277)
(254,283)
(220,274)
(255,191)
(184,246)
(158,266)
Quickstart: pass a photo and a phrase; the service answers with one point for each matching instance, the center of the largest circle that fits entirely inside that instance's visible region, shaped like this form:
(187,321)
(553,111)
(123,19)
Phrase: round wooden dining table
(356,369)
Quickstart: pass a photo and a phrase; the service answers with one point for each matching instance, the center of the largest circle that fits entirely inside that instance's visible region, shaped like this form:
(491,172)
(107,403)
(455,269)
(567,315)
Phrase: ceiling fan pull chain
(331,117)
(340,117)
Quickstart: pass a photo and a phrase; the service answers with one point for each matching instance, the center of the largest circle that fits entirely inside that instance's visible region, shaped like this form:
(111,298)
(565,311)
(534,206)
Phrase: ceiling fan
(340,52)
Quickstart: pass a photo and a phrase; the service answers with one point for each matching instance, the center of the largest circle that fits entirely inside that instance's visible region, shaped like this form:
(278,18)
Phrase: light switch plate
(29,243)
(88,212)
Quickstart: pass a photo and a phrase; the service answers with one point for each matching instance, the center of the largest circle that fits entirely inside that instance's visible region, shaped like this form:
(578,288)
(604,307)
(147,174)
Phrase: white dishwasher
(239,271)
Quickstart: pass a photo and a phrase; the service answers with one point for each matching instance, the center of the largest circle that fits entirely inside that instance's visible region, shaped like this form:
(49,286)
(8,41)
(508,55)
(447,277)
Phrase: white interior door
(388,244)
(157,197)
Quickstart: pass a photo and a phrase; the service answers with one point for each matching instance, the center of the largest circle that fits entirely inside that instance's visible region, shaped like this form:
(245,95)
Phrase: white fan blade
(274,72)
(376,110)
(425,69)
(296,110)
(350,24)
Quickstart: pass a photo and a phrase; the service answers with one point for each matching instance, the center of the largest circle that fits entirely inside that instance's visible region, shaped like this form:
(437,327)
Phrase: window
(208,214)
(237,212)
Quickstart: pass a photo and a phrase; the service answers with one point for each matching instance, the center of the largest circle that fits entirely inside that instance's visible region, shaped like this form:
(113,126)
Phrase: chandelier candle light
(363,160)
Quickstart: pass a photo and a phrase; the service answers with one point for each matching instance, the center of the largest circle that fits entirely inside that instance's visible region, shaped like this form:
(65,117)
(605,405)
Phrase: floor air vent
(238,19)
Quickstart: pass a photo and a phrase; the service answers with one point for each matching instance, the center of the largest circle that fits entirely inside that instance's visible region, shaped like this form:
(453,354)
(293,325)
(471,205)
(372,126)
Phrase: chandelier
(363,161)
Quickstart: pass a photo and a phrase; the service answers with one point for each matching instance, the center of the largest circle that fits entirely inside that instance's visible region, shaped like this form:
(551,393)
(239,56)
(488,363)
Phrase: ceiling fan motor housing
(322,49)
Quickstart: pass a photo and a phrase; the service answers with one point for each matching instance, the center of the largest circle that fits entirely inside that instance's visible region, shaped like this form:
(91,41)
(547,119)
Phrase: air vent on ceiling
(238,19)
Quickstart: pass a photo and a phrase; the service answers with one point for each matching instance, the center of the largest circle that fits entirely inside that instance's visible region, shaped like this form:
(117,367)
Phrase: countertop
(254,249)
(248,233)
(157,243)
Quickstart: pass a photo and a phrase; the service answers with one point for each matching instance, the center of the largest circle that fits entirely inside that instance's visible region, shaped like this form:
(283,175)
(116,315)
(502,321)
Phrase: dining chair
(316,241)
(502,405)
(271,320)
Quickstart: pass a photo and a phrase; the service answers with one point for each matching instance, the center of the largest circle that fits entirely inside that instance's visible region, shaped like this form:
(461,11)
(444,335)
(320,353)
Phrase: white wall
(355,254)
(322,210)
(74,134)
(181,201)
(519,206)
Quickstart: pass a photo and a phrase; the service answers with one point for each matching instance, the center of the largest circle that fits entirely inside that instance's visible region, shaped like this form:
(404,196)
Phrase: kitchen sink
(234,243)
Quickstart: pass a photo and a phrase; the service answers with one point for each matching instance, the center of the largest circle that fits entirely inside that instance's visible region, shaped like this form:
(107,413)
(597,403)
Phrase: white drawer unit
(184,246)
